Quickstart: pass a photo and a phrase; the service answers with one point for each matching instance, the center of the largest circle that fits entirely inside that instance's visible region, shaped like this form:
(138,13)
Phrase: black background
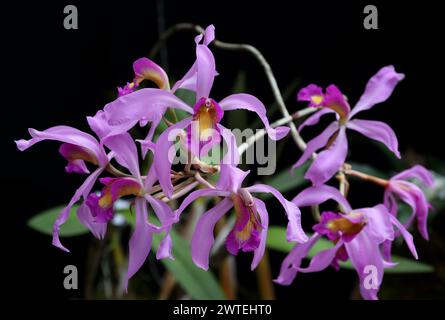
(56,76)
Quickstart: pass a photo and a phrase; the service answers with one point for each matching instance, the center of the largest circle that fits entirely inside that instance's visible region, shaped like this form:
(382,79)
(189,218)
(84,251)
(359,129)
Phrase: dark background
(57,76)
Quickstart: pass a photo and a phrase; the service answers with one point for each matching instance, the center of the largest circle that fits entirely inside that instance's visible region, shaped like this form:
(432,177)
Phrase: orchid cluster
(364,236)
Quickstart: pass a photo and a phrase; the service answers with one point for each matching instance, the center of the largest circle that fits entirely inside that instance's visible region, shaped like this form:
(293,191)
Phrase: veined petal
(200,193)
(376,130)
(140,242)
(315,118)
(68,135)
(203,238)
(206,71)
(251,103)
(264,216)
(126,152)
(147,104)
(86,218)
(364,252)
(145,69)
(292,262)
(319,194)
(329,161)
(164,154)
(294,230)
(317,143)
(418,172)
(83,191)
(378,89)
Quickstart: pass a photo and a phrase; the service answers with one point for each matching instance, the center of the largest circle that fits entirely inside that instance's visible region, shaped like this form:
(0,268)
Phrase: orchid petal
(317,143)
(378,131)
(86,218)
(68,135)
(378,89)
(264,216)
(319,194)
(200,193)
(83,191)
(251,103)
(364,252)
(140,242)
(203,238)
(148,104)
(379,223)
(232,155)
(126,152)
(164,154)
(406,236)
(322,259)
(329,161)
(230,178)
(146,69)
(415,198)
(294,230)
(206,71)
(292,262)
(419,172)
(314,118)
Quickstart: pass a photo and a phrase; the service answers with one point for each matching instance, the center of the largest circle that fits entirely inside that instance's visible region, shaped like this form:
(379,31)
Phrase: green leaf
(43,222)
(286,181)
(199,284)
(276,240)
(187,96)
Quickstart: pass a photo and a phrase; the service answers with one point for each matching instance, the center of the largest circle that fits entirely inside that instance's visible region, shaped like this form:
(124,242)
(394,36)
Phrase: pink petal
(200,193)
(319,194)
(164,154)
(329,161)
(140,242)
(126,152)
(68,135)
(376,130)
(317,143)
(86,218)
(294,230)
(406,236)
(418,172)
(363,252)
(251,103)
(203,238)
(83,191)
(206,71)
(264,216)
(292,262)
(322,259)
(314,118)
(148,104)
(378,89)
(146,69)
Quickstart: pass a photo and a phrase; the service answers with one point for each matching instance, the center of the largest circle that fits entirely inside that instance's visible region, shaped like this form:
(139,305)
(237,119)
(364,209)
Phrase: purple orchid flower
(250,230)
(398,188)
(333,138)
(356,234)
(204,122)
(78,147)
(101,206)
